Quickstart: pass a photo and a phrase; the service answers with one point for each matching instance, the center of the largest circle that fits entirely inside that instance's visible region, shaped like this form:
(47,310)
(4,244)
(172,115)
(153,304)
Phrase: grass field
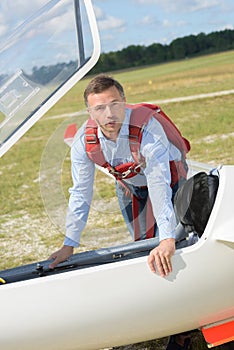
(35,173)
(31,226)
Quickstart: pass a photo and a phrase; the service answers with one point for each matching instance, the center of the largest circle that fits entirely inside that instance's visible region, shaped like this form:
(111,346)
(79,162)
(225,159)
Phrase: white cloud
(99,13)
(3,30)
(19,9)
(23,8)
(148,20)
(107,22)
(46,32)
(3,27)
(203,4)
(61,21)
(227,26)
(110,22)
(167,24)
(180,5)
(13,13)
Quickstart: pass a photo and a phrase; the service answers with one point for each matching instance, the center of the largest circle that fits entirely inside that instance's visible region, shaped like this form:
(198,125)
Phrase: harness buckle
(91,138)
(133,139)
(129,170)
(126,173)
(115,173)
(135,169)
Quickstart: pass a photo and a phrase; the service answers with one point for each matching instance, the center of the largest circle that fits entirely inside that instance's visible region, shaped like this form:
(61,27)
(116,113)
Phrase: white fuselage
(123,302)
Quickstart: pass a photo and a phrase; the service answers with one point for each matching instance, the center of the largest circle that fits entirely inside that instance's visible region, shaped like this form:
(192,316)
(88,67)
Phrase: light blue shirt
(157,151)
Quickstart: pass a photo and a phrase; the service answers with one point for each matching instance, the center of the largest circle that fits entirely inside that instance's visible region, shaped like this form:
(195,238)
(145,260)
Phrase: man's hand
(161,257)
(60,255)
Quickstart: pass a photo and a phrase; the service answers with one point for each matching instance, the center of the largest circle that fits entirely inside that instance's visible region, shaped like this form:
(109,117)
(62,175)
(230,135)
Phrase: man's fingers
(61,255)
(161,265)
(52,256)
(169,265)
(151,263)
(54,264)
(154,260)
(57,259)
(160,257)
(166,265)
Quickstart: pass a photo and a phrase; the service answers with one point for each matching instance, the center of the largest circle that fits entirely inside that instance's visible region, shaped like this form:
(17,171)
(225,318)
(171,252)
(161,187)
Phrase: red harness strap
(140,116)
(144,111)
(174,136)
(135,214)
(94,152)
(92,144)
(150,220)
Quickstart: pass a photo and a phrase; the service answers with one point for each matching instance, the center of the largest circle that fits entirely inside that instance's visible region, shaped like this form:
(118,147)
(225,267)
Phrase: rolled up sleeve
(81,193)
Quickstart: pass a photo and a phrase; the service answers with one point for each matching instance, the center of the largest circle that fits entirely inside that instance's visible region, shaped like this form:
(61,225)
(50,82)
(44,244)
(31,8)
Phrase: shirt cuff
(165,233)
(68,241)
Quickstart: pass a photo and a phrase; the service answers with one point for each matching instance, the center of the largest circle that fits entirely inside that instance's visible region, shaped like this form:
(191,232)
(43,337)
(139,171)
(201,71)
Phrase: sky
(138,22)
(143,22)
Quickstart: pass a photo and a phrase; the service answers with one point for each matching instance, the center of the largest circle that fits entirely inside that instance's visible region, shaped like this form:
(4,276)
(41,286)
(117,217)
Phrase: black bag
(194,201)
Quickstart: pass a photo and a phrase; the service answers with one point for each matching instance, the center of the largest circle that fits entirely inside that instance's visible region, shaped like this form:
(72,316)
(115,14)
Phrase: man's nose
(108,111)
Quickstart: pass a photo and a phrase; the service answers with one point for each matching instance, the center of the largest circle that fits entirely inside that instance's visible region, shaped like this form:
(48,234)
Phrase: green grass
(184,78)
(207,123)
(30,228)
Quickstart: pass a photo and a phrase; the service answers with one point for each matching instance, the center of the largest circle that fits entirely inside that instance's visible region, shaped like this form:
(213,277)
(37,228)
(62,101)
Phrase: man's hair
(101,83)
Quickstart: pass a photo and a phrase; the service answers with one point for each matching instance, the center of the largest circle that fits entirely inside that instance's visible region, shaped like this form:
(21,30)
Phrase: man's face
(108,110)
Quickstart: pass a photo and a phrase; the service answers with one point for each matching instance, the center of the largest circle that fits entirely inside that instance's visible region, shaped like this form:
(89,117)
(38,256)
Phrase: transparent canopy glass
(38,59)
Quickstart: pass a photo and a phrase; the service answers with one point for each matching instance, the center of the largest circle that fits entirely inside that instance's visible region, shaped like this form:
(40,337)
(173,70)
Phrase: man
(110,141)
(105,101)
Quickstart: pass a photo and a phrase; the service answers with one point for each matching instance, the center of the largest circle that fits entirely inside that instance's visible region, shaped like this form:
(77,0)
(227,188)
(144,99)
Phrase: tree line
(186,47)
(138,55)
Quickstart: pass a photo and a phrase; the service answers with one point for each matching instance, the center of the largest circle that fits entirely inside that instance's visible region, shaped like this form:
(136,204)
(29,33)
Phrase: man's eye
(114,104)
(100,108)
